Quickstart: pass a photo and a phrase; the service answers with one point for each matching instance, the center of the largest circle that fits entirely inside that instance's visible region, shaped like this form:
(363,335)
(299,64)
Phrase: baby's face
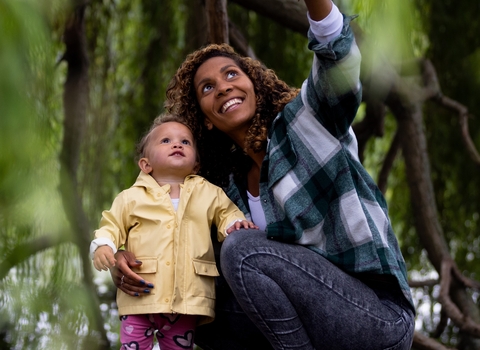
(171,150)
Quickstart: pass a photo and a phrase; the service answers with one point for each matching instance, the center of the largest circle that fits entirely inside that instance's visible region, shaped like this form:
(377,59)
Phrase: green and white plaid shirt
(313,189)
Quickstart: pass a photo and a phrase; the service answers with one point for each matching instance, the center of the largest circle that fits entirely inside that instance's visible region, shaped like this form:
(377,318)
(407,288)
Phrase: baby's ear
(196,168)
(145,166)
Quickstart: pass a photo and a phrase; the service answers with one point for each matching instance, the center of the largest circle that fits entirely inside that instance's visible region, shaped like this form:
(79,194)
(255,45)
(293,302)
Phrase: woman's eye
(232,74)
(207,88)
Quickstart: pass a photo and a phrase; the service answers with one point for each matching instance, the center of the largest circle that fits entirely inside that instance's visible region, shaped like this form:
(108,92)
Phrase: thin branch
(432,91)
(463,120)
(442,325)
(422,342)
(431,86)
(425,283)
(388,162)
(465,281)
(26,250)
(372,124)
(463,322)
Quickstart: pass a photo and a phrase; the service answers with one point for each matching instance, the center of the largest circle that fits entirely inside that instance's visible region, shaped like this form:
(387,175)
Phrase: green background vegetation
(134,48)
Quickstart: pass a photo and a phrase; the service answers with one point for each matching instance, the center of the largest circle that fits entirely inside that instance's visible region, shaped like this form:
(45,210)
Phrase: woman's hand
(125,279)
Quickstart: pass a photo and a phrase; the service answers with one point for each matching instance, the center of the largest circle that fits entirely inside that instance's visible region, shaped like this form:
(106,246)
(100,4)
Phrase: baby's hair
(161,119)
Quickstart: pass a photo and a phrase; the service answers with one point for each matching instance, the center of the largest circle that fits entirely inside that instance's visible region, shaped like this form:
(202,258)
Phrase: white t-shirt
(256,210)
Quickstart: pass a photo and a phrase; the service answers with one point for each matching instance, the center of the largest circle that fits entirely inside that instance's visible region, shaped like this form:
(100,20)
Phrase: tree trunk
(217,21)
(406,103)
(75,99)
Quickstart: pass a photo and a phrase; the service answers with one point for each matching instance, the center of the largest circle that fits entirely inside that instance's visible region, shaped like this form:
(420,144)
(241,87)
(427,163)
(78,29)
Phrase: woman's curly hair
(220,156)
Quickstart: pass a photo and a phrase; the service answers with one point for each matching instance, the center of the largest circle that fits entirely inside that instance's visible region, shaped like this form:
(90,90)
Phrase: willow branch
(463,322)
(388,162)
(442,325)
(425,283)
(463,115)
(422,342)
(28,249)
(432,91)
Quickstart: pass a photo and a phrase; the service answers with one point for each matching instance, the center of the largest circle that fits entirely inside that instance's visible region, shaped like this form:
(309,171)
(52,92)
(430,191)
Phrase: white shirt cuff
(98,242)
(328,28)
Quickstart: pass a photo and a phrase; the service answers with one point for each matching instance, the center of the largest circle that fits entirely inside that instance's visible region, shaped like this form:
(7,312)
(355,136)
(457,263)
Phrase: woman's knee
(242,239)
(236,246)
(230,245)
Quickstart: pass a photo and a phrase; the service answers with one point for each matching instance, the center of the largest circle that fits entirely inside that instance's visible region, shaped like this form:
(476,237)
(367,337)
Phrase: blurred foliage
(446,32)
(455,51)
(41,302)
(134,49)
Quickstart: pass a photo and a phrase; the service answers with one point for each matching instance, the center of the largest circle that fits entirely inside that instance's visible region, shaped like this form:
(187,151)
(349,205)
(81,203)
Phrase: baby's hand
(104,258)
(241,224)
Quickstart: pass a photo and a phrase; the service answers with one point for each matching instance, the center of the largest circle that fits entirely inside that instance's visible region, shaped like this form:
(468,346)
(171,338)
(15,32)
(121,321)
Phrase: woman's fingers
(127,280)
(134,287)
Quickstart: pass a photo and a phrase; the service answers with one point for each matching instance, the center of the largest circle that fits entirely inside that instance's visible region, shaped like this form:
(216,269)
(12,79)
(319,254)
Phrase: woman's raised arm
(318,9)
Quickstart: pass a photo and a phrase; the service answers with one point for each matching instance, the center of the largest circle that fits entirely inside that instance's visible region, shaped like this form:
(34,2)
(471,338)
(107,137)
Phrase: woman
(328,274)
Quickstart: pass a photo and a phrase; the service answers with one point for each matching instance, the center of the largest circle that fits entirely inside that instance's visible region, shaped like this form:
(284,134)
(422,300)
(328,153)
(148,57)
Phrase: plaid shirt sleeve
(313,189)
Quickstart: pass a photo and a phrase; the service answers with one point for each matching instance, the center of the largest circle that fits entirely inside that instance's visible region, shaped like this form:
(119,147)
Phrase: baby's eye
(165,140)
(186,142)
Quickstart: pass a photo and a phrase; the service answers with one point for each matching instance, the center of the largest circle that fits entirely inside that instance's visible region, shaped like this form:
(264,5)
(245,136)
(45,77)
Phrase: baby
(165,219)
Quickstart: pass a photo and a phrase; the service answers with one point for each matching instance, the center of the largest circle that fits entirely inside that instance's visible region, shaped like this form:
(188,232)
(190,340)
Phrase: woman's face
(226,96)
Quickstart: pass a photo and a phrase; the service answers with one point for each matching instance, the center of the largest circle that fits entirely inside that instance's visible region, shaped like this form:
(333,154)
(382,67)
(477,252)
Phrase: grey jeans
(299,300)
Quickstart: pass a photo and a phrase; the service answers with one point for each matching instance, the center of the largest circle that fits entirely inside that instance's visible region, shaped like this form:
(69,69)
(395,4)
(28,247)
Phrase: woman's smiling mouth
(230,103)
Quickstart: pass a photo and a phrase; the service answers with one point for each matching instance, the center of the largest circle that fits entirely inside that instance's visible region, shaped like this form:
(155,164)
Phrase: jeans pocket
(394,307)
(406,342)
